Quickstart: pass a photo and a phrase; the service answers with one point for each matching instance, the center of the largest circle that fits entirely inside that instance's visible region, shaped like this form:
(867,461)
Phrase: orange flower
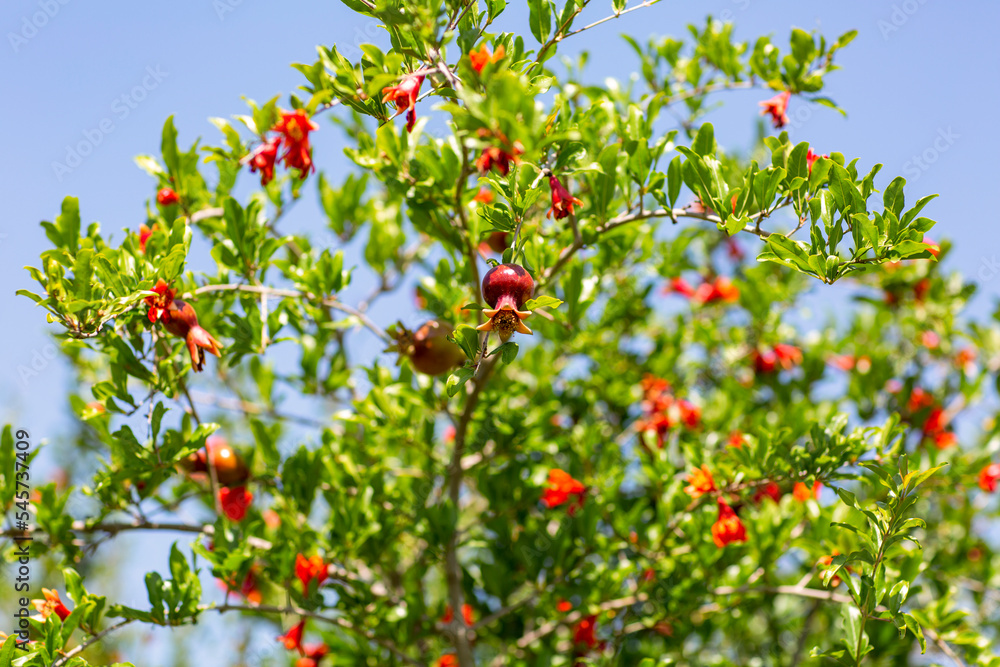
(293,638)
(467,614)
(826,562)
(736,439)
(562,200)
(564,606)
(653,386)
(484,196)
(788,355)
(945,439)
(159,304)
(965,357)
(919,399)
(181,320)
(313,654)
(51,605)
(561,487)
(727,528)
(166,197)
(307,569)
(770,490)
(404,97)
(777,107)
(988,477)
(935,422)
(803,493)
(700,482)
(235,502)
(144,234)
(479,59)
(448,660)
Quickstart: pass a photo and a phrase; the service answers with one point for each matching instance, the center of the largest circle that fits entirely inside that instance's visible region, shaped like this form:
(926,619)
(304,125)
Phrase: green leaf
(853,627)
(704,142)
(459,378)
(168,147)
(540,19)
(544,301)
(467,338)
(918,632)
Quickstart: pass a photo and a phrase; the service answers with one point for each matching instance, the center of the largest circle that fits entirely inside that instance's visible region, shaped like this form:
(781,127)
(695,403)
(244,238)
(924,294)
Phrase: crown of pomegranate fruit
(506,287)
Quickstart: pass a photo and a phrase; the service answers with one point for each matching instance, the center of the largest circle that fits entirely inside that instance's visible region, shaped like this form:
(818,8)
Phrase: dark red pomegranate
(498,241)
(505,288)
(430,350)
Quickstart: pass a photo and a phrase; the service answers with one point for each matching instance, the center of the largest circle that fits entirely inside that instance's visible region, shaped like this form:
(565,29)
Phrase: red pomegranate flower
(181,320)
(700,482)
(680,286)
(770,490)
(777,107)
(404,97)
(294,128)
(448,660)
(562,200)
(945,439)
(479,59)
(505,288)
(144,234)
(988,477)
(583,632)
(263,159)
(51,605)
(727,528)
(159,304)
(564,606)
(561,487)
(313,654)
(167,197)
(307,569)
(235,502)
(812,157)
(467,614)
(293,638)
(736,439)
(500,158)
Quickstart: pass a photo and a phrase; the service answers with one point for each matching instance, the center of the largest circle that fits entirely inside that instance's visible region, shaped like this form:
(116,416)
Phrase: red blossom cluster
(562,200)
(179,319)
(561,489)
(310,569)
(662,411)
(500,155)
(709,291)
(51,604)
(292,130)
(922,408)
(769,359)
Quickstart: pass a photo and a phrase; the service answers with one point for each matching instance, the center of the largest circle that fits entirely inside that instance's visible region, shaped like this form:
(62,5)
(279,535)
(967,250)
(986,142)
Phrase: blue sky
(108,74)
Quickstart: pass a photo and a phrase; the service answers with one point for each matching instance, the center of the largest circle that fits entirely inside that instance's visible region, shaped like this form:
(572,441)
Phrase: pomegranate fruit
(505,288)
(429,348)
(229,466)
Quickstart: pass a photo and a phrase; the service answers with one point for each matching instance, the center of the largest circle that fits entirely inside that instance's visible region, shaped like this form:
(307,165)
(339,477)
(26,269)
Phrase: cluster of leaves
(421,493)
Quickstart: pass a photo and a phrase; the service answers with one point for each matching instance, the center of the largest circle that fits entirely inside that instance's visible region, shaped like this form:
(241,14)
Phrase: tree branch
(331,302)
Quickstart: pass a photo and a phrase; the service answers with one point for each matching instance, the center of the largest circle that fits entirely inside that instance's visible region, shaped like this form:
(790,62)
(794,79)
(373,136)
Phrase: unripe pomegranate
(505,288)
(229,466)
(429,348)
